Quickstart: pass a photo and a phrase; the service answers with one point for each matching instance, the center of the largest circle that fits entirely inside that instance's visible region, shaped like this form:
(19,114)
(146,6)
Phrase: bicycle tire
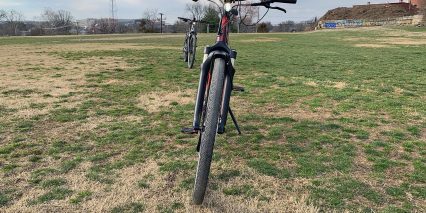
(192,49)
(208,135)
(185,50)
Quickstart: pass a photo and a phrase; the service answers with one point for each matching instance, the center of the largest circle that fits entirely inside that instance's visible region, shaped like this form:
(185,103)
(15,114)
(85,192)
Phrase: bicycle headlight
(228,7)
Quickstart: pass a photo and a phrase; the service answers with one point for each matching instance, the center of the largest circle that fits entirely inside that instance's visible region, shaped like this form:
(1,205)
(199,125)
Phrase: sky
(129,9)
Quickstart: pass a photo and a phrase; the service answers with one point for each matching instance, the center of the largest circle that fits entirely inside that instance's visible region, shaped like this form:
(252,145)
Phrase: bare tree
(246,16)
(59,22)
(180,26)
(13,19)
(100,26)
(150,17)
(2,14)
(264,27)
(196,10)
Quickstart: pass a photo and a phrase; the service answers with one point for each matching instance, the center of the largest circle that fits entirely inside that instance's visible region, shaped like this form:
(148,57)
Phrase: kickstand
(235,121)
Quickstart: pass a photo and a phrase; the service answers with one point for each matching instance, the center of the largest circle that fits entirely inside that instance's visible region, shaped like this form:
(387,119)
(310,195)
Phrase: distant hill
(369,12)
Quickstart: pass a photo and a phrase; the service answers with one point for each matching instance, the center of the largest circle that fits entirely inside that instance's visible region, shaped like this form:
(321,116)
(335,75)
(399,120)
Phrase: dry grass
(404,41)
(262,39)
(372,45)
(154,101)
(161,191)
(50,78)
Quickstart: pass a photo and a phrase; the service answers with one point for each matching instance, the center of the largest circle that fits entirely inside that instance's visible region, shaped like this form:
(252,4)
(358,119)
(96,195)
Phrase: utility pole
(78,27)
(258,16)
(161,23)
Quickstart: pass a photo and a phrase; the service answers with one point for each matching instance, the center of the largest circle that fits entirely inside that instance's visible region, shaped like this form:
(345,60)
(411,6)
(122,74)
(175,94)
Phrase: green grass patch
(263,167)
(129,208)
(341,193)
(69,165)
(54,194)
(244,190)
(52,183)
(81,197)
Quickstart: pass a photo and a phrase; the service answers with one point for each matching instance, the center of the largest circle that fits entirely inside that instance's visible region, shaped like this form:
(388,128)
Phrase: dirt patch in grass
(218,202)
(126,38)
(390,42)
(154,101)
(372,45)
(297,112)
(340,85)
(404,41)
(262,194)
(106,47)
(404,33)
(46,78)
(311,83)
(261,39)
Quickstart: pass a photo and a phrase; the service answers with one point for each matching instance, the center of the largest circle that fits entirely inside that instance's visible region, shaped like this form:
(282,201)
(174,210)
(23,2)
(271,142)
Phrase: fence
(350,23)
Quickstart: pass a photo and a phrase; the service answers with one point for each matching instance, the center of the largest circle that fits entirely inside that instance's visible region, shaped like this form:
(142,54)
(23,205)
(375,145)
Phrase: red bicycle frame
(223,33)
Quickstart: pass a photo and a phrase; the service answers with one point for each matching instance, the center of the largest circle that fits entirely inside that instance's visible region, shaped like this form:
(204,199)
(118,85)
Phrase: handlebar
(267,3)
(191,20)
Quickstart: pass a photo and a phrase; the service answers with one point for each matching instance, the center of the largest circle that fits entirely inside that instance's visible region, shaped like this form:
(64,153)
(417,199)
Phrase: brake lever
(267,4)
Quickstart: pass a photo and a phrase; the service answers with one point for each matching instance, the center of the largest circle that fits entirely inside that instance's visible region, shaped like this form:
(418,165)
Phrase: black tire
(192,49)
(208,136)
(185,50)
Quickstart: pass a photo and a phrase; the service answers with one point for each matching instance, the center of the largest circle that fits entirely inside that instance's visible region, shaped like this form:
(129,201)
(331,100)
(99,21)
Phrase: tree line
(62,22)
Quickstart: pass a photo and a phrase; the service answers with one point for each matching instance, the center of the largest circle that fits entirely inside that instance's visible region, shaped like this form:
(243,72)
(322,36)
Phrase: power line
(113,9)
(113,19)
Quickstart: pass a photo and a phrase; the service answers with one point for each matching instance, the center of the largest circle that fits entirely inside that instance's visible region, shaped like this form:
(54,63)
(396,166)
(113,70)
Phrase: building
(418,3)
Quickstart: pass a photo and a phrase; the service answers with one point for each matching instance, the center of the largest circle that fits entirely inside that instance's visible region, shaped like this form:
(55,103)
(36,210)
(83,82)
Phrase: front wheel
(185,50)
(192,48)
(208,134)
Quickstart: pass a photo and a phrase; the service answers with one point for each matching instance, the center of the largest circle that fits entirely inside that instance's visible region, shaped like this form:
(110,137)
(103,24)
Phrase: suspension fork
(204,75)
(199,102)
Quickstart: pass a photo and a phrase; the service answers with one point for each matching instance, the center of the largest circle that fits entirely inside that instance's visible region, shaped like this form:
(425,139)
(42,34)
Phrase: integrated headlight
(228,7)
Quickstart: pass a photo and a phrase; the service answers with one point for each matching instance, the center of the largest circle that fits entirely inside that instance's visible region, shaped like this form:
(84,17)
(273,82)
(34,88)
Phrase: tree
(150,17)
(147,23)
(100,26)
(211,16)
(264,27)
(2,14)
(13,20)
(246,15)
(58,22)
(180,27)
(197,10)
(286,26)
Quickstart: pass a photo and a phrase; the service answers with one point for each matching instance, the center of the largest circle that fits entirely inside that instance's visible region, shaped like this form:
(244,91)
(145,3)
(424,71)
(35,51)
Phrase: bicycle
(190,44)
(214,92)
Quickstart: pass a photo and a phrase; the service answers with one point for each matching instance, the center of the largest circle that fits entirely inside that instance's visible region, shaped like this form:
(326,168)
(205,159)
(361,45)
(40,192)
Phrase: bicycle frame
(219,50)
(191,30)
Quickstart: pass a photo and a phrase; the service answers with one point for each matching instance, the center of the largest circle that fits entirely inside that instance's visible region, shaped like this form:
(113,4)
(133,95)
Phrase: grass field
(331,121)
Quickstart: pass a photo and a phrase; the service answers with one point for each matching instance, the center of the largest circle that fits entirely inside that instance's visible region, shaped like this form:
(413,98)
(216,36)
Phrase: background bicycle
(190,44)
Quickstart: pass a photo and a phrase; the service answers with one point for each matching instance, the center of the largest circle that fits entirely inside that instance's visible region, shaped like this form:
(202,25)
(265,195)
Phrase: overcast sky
(304,10)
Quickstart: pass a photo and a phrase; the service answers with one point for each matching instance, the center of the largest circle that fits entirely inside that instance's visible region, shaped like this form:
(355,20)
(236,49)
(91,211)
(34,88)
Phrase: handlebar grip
(279,8)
